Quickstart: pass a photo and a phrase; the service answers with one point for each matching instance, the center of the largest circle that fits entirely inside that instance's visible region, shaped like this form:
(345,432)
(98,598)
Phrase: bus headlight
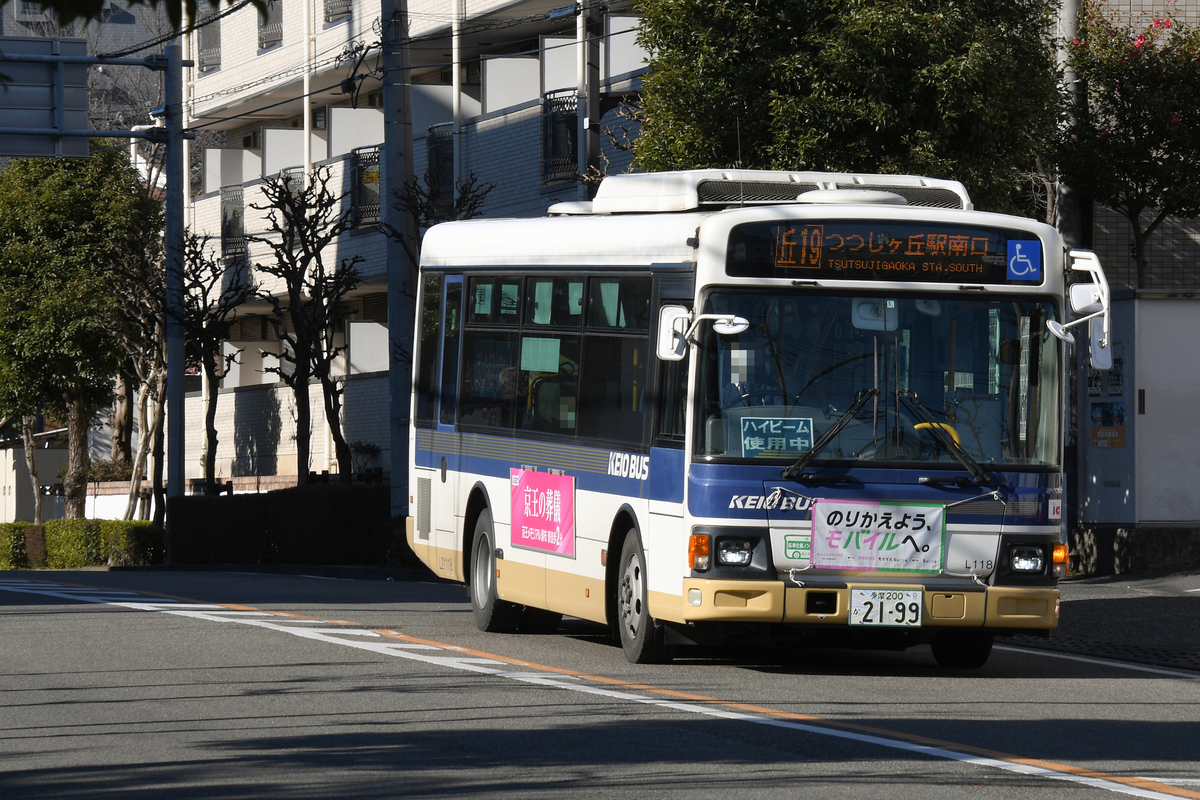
(1026,558)
(698,552)
(734,552)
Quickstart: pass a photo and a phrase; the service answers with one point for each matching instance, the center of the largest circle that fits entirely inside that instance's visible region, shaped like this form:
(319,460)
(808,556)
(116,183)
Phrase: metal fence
(208,44)
(270,27)
(233,225)
(559,121)
(439,164)
(336,9)
(366,197)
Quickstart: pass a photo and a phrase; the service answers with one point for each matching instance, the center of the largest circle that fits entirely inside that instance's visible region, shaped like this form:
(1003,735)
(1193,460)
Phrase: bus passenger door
(448,442)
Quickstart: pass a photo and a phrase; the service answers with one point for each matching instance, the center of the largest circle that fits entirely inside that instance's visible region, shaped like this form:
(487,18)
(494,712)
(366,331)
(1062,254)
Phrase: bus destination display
(884,250)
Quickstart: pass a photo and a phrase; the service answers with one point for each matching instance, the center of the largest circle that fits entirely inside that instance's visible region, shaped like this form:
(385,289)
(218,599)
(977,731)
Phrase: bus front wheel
(491,613)
(641,635)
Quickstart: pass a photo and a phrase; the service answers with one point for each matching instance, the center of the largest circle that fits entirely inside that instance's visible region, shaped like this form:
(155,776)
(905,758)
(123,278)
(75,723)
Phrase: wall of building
(256,427)
(16,492)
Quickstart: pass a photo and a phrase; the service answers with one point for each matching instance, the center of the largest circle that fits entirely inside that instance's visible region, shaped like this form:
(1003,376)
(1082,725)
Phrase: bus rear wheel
(642,636)
(492,614)
(962,649)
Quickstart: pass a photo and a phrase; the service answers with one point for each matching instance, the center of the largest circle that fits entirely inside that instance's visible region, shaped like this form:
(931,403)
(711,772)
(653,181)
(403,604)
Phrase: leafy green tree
(963,89)
(65,226)
(1136,146)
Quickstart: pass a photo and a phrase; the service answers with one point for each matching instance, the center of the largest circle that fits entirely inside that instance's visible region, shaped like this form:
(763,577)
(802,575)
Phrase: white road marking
(498,669)
(1189,591)
(1100,661)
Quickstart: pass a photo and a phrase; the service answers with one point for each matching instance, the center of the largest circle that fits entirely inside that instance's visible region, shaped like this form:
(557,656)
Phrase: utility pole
(397,167)
(173,96)
(589,27)
(1072,212)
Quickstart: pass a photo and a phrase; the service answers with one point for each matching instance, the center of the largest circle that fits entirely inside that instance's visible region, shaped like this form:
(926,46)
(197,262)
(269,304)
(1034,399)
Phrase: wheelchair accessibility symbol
(1025,260)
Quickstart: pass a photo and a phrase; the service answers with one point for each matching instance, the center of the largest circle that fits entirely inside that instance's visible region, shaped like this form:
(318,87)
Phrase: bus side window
(612,387)
(450,335)
(491,388)
(549,374)
(554,301)
(672,403)
(620,302)
(427,367)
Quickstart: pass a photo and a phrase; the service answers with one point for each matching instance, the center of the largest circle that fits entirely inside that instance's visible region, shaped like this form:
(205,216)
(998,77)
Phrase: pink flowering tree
(1136,147)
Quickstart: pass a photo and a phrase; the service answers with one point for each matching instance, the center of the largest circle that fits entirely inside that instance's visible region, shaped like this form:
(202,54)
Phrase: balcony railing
(208,43)
(270,28)
(233,225)
(366,196)
(336,9)
(210,58)
(559,160)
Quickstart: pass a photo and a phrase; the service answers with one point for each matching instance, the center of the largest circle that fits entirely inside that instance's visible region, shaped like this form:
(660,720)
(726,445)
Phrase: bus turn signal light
(1060,554)
(698,552)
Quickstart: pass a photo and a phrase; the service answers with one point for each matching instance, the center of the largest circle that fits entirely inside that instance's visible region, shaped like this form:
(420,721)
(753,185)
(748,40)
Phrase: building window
(233,228)
(30,12)
(337,9)
(559,132)
(439,167)
(270,25)
(366,186)
(208,40)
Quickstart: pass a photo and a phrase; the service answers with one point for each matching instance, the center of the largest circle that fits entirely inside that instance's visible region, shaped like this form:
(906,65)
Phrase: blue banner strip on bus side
(596,469)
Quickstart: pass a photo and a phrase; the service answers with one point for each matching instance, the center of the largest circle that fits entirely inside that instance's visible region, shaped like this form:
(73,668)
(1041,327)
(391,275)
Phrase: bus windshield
(982,372)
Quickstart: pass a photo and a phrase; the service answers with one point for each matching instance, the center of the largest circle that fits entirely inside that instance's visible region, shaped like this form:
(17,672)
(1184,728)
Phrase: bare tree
(619,137)
(213,291)
(423,204)
(305,298)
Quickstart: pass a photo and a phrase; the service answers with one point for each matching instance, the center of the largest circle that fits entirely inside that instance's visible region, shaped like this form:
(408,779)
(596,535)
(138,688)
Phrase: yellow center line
(1140,783)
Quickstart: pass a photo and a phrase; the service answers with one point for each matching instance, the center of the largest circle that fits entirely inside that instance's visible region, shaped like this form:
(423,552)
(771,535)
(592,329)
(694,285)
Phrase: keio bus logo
(628,465)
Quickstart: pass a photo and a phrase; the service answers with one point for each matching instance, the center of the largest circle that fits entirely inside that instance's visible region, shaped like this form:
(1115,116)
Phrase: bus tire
(642,636)
(492,614)
(962,649)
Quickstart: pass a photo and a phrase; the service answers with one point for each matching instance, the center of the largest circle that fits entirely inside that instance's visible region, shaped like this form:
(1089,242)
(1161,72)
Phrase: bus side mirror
(1100,348)
(1085,298)
(673,322)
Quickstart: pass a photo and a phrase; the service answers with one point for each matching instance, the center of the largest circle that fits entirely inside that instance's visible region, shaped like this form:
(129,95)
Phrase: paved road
(198,685)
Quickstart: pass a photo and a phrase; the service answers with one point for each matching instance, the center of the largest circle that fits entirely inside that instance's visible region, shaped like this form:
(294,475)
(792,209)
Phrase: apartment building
(301,88)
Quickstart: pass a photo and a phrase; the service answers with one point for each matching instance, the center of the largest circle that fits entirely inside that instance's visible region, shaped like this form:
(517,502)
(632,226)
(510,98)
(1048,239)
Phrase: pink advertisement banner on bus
(543,512)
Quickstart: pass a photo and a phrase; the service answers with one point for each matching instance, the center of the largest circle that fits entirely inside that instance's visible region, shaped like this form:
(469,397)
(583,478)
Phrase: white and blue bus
(713,404)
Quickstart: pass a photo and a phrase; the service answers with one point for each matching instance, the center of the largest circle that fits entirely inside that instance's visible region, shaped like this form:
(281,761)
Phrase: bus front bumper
(776,601)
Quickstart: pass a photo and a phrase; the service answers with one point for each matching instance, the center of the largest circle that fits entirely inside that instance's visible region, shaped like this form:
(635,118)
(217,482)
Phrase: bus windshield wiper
(940,432)
(793,472)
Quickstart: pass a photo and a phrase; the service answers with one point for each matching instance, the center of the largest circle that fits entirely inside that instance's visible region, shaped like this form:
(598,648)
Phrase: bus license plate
(895,607)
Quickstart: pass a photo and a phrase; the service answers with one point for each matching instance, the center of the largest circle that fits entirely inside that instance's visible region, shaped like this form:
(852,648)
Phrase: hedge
(316,524)
(12,545)
(132,544)
(74,543)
